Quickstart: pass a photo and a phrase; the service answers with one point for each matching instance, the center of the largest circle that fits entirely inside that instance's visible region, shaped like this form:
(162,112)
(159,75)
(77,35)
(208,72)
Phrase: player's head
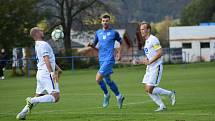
(105,21)
(145,29)
(36,33)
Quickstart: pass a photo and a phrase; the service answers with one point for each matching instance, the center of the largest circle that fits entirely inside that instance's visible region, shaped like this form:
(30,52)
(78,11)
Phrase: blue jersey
(106,40)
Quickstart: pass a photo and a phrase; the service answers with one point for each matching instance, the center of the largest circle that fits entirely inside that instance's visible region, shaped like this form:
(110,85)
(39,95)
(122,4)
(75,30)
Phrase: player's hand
(118,57)
(89,44)
(146,61)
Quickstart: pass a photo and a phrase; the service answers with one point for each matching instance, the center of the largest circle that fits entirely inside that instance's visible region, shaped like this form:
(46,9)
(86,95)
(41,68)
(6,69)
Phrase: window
(205,45)
(186,45)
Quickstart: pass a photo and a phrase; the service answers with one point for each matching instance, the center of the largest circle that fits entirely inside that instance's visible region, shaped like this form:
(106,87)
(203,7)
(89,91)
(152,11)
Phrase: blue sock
(112,85)
(103,87)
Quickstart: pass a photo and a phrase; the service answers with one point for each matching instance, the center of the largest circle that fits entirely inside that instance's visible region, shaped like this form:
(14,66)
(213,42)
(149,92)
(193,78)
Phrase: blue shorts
(106,67)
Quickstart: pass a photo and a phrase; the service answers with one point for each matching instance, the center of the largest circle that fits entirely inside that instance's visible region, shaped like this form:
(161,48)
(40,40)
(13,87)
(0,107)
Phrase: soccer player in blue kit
(105,38)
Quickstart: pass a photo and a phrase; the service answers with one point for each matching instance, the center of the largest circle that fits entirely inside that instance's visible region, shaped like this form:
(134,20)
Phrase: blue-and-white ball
(57,34)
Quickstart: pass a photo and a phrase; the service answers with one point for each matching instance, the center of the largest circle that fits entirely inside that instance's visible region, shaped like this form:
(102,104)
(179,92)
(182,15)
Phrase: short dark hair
(148,26)
(106,16)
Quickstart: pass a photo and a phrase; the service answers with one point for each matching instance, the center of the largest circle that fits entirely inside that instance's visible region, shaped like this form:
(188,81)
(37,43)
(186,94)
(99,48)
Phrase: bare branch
(84,7)
(59,2)
(50,5)
(53,26)
(58,17)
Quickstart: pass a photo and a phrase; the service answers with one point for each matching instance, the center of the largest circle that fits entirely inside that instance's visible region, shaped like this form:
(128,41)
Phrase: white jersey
(151,45)
(42,49)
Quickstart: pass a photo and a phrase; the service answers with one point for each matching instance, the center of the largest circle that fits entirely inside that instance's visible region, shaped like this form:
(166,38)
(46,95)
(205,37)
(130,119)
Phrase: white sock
(106,95)
(158,90)
(25,109)
(43,99)
(118,96)
(157,100)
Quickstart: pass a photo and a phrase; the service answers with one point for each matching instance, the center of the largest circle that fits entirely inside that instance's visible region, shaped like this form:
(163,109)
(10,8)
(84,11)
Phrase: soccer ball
(57,34)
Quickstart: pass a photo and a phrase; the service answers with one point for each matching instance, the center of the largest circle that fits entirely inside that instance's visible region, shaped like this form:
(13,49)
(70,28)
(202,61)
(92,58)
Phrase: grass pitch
(81,97)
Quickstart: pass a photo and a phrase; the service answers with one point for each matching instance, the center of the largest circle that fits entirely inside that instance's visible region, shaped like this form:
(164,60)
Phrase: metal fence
(27,65)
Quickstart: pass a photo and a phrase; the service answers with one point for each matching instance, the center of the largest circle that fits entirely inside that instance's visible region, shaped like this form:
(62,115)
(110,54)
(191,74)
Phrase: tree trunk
(67,43)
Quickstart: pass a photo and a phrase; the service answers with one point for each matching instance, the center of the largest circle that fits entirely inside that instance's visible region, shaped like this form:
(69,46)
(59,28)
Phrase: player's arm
(118,53)
(118,50)
(58,72)
(58,69)
(157,56)
(94,43)
(159,52)
(49,67)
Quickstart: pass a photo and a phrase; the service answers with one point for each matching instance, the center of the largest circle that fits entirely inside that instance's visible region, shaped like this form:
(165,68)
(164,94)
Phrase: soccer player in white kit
(47,90)
(154,60)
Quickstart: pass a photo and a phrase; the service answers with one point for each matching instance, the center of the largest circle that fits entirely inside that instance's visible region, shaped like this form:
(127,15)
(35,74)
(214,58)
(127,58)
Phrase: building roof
(191,33)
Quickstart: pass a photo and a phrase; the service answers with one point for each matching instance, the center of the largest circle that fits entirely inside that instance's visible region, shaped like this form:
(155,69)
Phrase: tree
(73,13)
(17,17)
(198,11)
(162,29)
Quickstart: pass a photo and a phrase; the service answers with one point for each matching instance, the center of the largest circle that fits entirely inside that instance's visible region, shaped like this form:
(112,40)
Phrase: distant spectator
(17,61)
(3,61)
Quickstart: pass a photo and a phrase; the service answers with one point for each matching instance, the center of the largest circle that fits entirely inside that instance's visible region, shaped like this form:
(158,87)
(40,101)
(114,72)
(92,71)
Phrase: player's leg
(112,85)
(170,94)
(155,97)
(101,83)
(161,91)
(150,82)
(115,89)
(46,83)
(27,108)
(106,72)
(52,96)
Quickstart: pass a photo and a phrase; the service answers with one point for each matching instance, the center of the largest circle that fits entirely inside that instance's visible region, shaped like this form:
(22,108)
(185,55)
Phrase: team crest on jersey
(146,50)
(108,33)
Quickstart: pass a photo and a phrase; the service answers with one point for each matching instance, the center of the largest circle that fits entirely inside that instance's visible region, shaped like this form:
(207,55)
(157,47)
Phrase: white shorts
(45,83)
(153,75)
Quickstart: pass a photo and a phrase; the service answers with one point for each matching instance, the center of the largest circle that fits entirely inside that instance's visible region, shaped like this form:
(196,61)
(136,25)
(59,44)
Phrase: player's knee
(148,89)
(98,78)
(98,81)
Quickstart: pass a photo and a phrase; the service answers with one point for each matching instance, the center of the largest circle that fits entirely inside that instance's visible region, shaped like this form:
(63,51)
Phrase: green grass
(81,97)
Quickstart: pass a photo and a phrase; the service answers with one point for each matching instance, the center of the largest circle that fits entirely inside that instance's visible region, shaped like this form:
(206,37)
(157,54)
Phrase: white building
(197,42)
